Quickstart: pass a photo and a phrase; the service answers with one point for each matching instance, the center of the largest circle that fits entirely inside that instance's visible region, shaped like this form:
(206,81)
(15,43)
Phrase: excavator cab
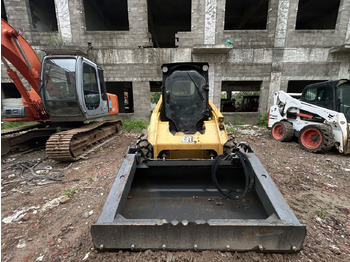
(73,86)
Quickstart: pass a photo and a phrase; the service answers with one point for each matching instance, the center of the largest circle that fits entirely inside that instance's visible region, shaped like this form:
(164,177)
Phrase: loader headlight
(165,69)
(205,68)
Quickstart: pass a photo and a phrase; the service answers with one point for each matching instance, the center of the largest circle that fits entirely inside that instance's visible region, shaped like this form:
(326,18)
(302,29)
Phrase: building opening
(106,15)
(3,11)
(297,86)
(125,95)
(9,90)
(240,96)
(156,92)
(315,14)
(10,98)
(246,14)
(43,15)
(166,18)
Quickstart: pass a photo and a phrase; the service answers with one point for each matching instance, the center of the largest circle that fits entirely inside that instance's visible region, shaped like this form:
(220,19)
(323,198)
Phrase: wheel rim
(278,131)
(311,138)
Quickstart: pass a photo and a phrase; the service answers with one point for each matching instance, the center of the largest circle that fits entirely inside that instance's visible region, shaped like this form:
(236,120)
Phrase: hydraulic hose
(247,168)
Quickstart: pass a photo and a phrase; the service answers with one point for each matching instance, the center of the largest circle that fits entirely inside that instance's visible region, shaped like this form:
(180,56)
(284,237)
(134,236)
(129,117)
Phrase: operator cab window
(90,87)
(343,92)
(185,101)
(59,87)
(183,88)
(60,79)
(321,96)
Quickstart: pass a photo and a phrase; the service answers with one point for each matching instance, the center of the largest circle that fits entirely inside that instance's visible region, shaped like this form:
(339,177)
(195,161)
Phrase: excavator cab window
(59,79)
(58,87)
(90,87)
(103,84)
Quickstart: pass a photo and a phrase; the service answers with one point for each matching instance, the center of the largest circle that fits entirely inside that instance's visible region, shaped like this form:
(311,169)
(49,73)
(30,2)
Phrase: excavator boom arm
(21,55)
(16,50)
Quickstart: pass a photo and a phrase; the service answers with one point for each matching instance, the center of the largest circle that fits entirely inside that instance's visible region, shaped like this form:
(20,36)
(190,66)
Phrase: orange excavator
(60,93)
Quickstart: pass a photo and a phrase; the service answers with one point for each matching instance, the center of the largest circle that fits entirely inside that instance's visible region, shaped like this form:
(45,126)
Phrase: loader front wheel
(145,146)
(282,131)
(316,139)
(230,145)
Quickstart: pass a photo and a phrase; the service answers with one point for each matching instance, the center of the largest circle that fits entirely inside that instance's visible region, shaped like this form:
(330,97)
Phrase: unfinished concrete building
(254,47)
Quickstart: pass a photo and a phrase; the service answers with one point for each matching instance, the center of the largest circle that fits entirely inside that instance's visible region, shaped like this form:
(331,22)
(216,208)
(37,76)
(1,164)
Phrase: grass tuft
(135,125)
(8,125)
(69,192)
(263,120)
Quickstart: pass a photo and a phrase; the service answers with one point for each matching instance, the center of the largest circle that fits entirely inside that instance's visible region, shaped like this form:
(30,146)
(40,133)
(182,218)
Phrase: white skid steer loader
(320,118)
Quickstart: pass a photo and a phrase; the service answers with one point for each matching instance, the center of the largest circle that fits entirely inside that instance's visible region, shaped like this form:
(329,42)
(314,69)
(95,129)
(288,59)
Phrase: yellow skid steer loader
(188,186)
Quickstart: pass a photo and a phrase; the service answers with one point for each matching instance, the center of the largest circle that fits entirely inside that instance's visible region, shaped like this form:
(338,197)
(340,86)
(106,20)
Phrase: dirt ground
(41,223)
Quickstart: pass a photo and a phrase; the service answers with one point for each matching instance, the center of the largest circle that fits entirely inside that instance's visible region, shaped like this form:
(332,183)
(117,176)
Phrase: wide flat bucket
(174,205)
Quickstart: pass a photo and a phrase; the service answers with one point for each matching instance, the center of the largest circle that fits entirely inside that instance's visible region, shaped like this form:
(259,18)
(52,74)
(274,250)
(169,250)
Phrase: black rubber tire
(282,131)
(145,146)
(316,138)
(230,145)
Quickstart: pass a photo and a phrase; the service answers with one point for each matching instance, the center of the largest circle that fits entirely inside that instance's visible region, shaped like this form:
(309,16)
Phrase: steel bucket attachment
(174,205)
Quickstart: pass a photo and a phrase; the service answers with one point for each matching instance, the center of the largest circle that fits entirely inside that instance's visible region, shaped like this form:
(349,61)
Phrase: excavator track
(70,145)
(25,136)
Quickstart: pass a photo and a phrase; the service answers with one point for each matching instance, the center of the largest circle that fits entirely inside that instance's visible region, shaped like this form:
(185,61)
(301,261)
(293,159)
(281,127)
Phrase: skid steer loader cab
(343,99)
(185,93)
(333,95)
(73,89)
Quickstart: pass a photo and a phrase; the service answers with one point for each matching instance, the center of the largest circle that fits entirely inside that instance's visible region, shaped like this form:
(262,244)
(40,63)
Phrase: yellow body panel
(187,146)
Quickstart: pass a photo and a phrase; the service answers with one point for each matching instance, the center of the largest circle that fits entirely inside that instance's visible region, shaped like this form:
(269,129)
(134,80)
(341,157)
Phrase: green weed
(263,120)
(69,192)
(321,213)
(231,129)
(7,125)
(136,125)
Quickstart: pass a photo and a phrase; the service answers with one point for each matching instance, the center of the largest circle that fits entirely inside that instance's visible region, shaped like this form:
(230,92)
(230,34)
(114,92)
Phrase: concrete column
(347,37)
(142,99)
(278,51)
(138,23)
(211,75)
(217,93)
(63,20)
(215,85)
(281,25)
(344,70)
(275,84)
(210,22)
(264,96)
